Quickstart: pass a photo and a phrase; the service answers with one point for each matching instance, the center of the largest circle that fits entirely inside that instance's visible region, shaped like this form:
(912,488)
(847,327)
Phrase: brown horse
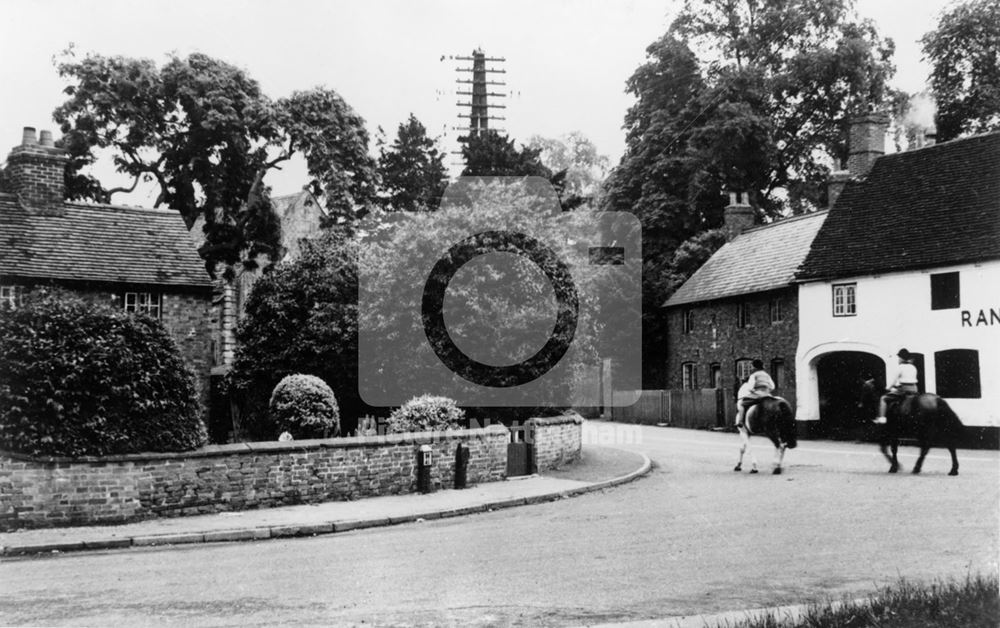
(930,420)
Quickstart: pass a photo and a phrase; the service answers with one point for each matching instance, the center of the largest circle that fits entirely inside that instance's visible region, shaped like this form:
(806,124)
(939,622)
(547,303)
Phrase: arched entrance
(840,375)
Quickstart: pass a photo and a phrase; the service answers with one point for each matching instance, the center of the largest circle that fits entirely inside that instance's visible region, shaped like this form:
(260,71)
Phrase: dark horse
(930,420)
(773,417)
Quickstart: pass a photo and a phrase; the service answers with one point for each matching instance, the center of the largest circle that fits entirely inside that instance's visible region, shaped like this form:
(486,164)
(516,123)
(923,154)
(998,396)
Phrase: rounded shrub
(81,379)
(305,406)
(425,413)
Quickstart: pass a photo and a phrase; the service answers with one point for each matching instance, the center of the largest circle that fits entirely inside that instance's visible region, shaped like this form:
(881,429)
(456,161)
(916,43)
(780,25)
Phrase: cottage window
(688,323)
(844,299)
(147,303)
(945,292)
(776,313)
(741,315)
(957,373)
(744,367)
(10,297)
(689,376)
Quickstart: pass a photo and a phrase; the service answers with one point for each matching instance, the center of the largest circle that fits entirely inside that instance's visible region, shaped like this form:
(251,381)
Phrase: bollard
(424,461)
(462,466)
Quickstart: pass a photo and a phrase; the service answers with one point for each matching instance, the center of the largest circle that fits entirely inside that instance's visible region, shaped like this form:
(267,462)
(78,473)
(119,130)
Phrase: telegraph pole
(480,90)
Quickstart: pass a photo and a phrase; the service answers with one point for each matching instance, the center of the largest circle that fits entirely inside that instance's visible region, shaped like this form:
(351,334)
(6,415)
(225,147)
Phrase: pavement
(598,468)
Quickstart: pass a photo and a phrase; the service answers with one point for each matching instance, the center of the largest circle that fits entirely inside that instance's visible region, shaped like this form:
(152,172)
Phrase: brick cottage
(138,259)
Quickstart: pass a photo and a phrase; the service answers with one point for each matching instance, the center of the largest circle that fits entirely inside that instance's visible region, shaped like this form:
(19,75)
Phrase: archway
(840,375)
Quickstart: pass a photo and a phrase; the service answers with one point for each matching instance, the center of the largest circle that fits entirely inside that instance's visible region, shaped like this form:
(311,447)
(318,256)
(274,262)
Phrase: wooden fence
(704,408)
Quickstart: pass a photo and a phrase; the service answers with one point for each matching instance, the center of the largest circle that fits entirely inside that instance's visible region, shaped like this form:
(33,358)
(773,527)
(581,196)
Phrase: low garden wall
(556,440)
(41,492)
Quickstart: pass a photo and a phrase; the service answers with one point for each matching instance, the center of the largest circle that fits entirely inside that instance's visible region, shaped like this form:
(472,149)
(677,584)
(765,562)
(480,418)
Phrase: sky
(566,61)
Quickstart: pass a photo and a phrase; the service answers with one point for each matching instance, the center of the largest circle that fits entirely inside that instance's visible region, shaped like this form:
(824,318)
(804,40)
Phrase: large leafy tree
(411,170)
(300,318)
(964,52)
(578,157)
(740,94)
(203,132)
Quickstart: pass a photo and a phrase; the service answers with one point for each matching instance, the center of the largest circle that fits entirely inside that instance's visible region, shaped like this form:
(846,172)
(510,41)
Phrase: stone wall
(44,492)
(556,440)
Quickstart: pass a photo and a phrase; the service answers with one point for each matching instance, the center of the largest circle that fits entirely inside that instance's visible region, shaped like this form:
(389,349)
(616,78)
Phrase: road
(692,537)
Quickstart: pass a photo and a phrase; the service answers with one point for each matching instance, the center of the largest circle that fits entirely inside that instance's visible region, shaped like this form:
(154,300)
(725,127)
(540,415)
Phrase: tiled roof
(935,206)
(105,243)
(760,259)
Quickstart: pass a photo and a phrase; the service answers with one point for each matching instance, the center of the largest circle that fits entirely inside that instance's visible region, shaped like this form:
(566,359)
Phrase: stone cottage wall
(715,338)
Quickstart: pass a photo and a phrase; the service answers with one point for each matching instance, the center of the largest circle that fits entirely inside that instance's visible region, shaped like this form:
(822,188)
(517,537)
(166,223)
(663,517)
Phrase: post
(424,462)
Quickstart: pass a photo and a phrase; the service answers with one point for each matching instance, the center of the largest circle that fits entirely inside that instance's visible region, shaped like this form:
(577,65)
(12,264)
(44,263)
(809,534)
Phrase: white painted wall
(894,311)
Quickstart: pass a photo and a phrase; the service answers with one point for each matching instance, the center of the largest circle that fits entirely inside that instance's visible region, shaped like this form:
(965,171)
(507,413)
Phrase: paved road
(693,537)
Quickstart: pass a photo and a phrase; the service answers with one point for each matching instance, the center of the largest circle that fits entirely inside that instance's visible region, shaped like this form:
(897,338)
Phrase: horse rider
(759,385)
(904,384)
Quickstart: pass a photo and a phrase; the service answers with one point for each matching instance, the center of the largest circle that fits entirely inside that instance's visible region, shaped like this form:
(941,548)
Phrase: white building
(909,256)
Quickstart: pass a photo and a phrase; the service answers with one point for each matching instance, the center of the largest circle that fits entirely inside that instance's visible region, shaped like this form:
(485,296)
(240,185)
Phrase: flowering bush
(425,413)
(305,407)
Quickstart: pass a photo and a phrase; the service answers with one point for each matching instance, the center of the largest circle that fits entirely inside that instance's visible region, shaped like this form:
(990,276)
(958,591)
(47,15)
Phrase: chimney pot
(28,137)
(46,139)
(739,214)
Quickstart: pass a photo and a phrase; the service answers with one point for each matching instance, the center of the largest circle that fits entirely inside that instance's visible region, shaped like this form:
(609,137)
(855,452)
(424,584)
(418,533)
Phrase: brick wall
(37,492)
(717,339)
(556,440)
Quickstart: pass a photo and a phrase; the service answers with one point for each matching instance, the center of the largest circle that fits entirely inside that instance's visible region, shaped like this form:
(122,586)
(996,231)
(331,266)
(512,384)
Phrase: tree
(577,156)
(411,170)
(494,155)
(964,51)
(300,318)
(744,95)
(202,131)
(491,154)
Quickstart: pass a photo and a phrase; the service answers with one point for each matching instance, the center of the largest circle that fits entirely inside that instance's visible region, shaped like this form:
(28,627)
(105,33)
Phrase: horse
(773,417)
(930,420)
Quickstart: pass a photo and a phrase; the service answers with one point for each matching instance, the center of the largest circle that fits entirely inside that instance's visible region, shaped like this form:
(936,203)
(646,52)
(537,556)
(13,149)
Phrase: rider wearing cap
(758,386)
(904,384)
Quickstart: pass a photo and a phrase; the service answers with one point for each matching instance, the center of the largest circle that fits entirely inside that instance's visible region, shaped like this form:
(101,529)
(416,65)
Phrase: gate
(519,451)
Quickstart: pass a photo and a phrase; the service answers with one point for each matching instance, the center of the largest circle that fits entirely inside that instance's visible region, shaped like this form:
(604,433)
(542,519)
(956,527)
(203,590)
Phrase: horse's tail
(949,420)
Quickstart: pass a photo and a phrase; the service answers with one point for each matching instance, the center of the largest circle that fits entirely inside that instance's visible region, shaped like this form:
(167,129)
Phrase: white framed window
(776,313)
(147,303)
(10,296)
(688,324)
(845,299)
(689,376)
(744,367)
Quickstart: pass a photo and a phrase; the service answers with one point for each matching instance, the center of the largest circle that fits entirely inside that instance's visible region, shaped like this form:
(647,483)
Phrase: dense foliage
(739,95)
(411,170)
(79,379)
(203,132)
(425,413)
(305,407)
(300,318)
(964,51)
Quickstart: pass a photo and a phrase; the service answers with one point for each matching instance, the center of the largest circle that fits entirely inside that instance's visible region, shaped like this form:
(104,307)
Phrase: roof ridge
(785,220)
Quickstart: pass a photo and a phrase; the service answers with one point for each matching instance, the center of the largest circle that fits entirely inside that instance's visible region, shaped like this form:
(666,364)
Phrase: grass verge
(972,603)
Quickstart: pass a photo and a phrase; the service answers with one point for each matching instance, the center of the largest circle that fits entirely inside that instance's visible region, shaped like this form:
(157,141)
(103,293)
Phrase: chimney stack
(835,185)
(739,215)
(35,173)
(867,142)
